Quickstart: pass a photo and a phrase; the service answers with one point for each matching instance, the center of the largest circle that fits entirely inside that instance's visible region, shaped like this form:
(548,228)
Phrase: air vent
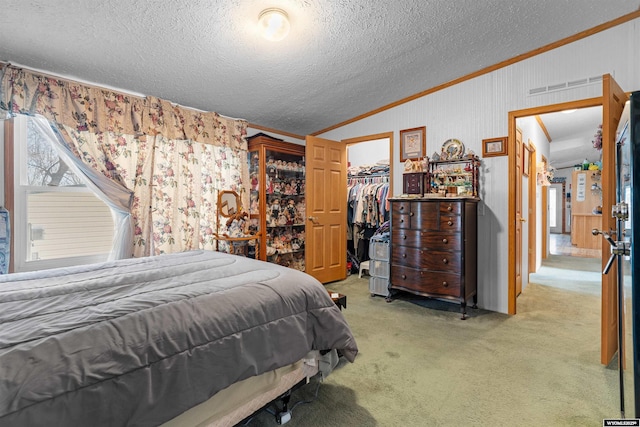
(566,85)
(577,83)
(538,90)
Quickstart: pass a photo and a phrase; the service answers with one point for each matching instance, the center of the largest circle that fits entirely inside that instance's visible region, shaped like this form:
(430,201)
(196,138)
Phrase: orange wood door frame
(544,223)
(533,217)
(513,115)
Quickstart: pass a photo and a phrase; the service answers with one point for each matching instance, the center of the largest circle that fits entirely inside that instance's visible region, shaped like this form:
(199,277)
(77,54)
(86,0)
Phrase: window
(58,221)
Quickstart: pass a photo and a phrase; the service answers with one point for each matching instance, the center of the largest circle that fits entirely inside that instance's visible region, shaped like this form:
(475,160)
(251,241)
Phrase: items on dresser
(454,177)
(434,243)
(415,183)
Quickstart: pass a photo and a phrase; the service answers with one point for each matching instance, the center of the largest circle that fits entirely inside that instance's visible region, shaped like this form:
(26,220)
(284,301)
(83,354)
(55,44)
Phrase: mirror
(228,203)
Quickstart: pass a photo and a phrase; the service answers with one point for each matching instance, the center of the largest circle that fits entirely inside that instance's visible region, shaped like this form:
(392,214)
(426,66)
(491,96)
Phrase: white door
(555,208)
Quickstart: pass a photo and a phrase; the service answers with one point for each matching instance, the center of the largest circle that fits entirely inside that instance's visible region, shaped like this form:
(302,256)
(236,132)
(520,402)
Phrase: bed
(140,341)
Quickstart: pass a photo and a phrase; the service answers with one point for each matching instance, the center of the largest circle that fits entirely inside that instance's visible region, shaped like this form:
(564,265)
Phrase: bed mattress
(139,341)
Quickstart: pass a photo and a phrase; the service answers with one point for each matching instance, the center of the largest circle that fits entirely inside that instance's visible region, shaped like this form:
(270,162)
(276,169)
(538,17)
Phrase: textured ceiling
(343,58)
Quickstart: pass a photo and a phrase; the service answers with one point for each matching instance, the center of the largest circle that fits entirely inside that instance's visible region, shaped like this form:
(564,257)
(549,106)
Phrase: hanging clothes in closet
(367,210)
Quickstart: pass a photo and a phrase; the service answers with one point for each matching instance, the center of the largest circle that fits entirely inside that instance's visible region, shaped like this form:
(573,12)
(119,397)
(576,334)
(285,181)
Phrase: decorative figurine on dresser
(434,230)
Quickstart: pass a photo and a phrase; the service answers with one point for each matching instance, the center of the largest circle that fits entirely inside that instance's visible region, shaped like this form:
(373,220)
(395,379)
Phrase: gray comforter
(137,342)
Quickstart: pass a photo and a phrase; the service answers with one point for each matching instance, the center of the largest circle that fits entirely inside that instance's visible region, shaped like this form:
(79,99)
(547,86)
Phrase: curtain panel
(94,109)
(173,159)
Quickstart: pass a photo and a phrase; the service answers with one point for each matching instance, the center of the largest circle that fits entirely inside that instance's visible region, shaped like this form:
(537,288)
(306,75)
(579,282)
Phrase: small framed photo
(526,162)
(494,147)
(413,143)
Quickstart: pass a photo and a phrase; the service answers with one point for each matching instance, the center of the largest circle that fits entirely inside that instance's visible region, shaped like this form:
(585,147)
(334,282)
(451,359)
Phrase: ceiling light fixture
(274,24)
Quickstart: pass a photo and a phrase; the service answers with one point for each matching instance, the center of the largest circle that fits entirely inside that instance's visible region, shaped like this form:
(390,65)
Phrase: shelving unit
(454,178)
(277,199)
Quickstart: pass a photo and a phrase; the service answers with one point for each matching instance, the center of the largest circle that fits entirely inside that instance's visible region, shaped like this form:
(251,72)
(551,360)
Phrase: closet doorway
(370,176)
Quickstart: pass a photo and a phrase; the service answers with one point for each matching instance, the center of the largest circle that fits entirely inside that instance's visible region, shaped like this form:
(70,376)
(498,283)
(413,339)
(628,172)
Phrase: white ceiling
(572,136)
(342,58)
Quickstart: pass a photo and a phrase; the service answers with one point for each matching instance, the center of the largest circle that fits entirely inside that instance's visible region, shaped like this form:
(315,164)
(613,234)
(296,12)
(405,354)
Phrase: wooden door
(519,218)
(613,100)
(326,230)
(532,217)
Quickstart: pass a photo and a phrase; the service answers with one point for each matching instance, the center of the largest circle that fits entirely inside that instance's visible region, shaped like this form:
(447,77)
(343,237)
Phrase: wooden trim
(545,213)
(543,127)
(532,214)
(499,65)
(279,132)
(366,138)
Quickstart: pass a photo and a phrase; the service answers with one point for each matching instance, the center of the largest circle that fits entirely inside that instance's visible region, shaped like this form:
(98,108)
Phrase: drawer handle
(410,213)
(445,241)
(404,276)
(449,209)
(450,222)
(404,237)
(401,208)
(402,220)
(404,255)
(445,284)
(446,261)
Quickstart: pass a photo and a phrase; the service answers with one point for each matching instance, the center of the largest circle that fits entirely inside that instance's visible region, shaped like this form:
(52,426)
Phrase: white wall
(477,109)
(368,152)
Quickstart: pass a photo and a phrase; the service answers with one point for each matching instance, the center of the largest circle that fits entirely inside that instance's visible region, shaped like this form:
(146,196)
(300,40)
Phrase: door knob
(313,219)
(523,219)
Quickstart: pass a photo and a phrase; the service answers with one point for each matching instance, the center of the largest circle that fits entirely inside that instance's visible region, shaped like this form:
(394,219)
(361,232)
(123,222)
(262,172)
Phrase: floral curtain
(186,180)
(136,141)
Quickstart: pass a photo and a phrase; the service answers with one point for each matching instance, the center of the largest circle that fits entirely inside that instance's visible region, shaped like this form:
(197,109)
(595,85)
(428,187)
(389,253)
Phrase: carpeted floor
(570,273)
(420,365)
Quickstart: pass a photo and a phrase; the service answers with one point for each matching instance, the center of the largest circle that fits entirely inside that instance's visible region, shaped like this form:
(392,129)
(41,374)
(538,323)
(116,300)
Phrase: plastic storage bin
(379,286)
(379,268)
(379,249)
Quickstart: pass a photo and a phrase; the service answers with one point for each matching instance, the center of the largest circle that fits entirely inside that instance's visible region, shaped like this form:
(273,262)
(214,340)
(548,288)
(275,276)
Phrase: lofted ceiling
(342,58)
(572,134)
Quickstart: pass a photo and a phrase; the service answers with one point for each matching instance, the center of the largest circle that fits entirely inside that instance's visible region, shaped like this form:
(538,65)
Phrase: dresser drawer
(405,237)
(424,239)
(419,209)
(450,223)
(426,282)
(450,208)
(401,220)
(442,261)
(414,222)
(442,241)
(422,259)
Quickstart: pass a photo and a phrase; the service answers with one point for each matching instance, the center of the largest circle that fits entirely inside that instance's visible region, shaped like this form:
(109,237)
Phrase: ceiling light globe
(274,24)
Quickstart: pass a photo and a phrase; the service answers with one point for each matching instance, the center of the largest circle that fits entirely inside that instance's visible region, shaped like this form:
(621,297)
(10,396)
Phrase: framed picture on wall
(413,143)
(526,162)
(494,147)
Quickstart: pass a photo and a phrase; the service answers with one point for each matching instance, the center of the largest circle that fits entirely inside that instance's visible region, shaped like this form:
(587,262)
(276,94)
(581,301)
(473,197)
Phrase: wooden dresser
(433,248)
